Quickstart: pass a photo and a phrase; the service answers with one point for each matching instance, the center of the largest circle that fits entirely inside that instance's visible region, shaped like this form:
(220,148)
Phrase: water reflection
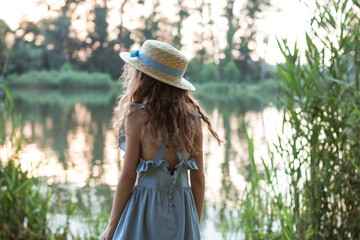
(71,133)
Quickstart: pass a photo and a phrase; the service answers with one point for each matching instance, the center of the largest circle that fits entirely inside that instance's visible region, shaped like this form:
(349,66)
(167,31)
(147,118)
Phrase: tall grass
(311,186)
(23,208)
(322,106)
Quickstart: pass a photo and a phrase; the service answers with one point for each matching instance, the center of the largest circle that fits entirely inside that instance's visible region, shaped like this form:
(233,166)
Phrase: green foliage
(66,67)
(102,53)
(229,90)
(23,208)
(183,14)
(231,72)
(321,101)
(193,71)
(57,41)
(151,26)
(52,42)
(65,98)
(311,183)
(100,34)
(79,79)
(4,28)
(251,10)
(209,72)
(24,57)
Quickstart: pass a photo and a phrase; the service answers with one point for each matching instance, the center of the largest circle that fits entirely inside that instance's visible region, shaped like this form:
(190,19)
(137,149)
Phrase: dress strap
(160,154)
(180,156)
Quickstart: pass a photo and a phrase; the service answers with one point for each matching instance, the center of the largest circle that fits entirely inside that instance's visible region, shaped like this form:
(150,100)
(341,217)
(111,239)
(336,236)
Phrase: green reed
(322,107)
(23,208)
(311,186)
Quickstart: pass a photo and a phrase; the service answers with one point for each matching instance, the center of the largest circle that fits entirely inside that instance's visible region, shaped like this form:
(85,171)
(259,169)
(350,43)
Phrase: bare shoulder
(134,121)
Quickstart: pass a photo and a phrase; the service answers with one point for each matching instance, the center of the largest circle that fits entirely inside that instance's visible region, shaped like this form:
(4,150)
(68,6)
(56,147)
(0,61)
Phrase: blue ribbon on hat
(156,65)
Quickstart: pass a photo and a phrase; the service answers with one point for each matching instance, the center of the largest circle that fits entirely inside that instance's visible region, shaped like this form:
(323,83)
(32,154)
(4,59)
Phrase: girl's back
(148,149)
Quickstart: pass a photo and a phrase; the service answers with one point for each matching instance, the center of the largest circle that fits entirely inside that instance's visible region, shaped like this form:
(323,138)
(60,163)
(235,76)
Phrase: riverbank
(209,94)
(68,80)
(78,80)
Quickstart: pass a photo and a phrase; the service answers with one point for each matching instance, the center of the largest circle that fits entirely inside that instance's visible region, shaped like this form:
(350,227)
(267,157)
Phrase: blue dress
(161,206)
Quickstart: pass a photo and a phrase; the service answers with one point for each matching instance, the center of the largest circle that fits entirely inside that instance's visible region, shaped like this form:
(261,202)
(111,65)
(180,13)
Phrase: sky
(290,22)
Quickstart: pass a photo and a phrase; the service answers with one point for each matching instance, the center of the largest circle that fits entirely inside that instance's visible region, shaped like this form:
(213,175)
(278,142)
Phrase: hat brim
(158,75)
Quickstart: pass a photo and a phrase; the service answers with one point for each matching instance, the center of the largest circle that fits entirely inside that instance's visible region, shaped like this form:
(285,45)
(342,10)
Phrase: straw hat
(160,61)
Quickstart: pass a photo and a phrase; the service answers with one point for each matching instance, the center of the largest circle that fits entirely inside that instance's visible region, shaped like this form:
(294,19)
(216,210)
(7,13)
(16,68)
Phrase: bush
(209,72)
(66,67)
(231,72)
(61,79)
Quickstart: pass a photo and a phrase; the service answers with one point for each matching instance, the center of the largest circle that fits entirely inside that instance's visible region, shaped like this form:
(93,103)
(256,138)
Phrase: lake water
(69,136)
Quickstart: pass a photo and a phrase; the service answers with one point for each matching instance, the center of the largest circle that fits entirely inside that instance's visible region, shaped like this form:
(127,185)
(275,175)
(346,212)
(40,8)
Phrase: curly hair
(170,111)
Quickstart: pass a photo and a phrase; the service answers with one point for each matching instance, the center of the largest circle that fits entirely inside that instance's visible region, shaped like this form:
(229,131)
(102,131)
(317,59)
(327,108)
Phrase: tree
(98,59)
(57,41)
(124,35)
(4,30)
(193,71)
(213,41)
(201,52)
(183,14)
(233,25)
(231,72)
(209,73)
(27,50)
(25,57)
(150,29)
(252,11)
(238,49)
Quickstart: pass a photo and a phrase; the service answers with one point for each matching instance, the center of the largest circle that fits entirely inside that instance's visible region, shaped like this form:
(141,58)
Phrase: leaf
(356,109)
(266,169)
(331,19)
(21,186)
(8,95)
(345,3)
(309,41)
(339,81)
(9,196)
(353,163)
(357,3)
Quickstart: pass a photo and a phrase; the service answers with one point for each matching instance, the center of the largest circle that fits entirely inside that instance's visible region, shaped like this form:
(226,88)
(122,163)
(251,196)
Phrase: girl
(161,124)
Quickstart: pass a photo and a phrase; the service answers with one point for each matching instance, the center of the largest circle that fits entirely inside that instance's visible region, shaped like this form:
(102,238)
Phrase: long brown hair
(170,111)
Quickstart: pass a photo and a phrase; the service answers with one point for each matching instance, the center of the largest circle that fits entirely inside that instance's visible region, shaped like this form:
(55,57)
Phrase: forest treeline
(55,43)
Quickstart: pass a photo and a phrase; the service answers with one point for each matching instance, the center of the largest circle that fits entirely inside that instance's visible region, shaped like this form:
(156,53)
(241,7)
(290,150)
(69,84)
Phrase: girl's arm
(197,177)
(127,178)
